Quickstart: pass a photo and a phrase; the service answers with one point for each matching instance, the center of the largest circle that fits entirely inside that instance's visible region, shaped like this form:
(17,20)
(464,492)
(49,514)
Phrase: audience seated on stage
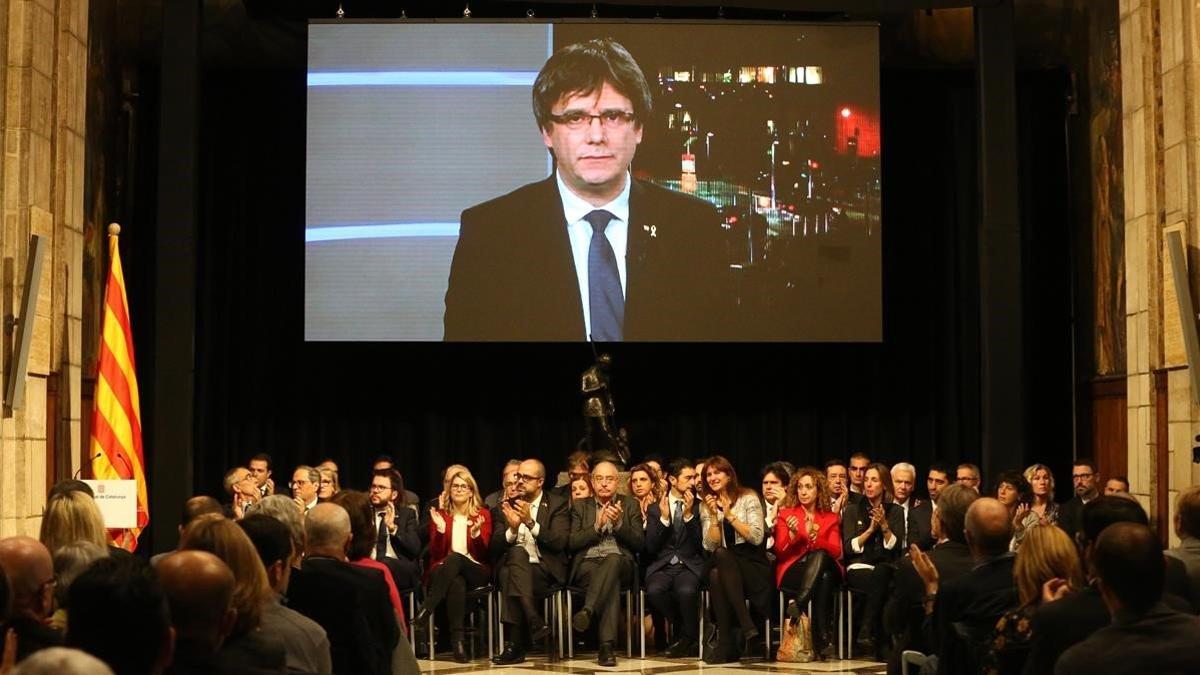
(119,615)
(1116,484)
(837,478)
(871,546)
(579,464)
(965,610)
(397,543)
(305,482)
(1013,491)
(350,603)
(914,519)
(775,479)
(1145,636)
(30,573)
(1042,509)
(71,517)
(859,462)
(242,491)
(967,474)
(674,558)
(1047,563)
(439,502)
(606,535)
(363,536)
(529,543)
(734,531)
(62,661)
(304,641)
(936,480)
(459,560)
(260,466)
(808,548)
(328,486)
(246,643)
(643,487)
(508,484)
(1187,528)
(1085,479)
(69,562)
(581,488)
(903,613)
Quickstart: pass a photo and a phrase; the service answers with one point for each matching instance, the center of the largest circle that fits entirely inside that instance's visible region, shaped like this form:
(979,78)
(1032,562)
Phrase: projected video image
(613,182)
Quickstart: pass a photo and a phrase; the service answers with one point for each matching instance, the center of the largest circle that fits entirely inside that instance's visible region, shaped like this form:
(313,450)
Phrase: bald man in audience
(1145,635)
(199,590)
(30,573)
(351,603)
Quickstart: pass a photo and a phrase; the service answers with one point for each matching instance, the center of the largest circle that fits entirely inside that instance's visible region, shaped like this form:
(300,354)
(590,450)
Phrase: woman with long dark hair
(870,544)
(733,530)
(808,548)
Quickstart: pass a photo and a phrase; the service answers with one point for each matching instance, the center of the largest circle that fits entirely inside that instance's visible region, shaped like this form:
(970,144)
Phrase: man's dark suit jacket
(904,612)
(513,275)
(406,542)
(920,525)
(659,543)
(629,535)
(1162,641)
(555,520)
(855,520)
(351,603)
(974,601)
(1070,516)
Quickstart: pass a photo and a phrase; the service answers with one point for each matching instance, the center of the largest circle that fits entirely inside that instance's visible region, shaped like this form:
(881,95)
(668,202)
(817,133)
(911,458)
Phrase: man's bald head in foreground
(30,570)
(199,590)
(989,528)
(327,527)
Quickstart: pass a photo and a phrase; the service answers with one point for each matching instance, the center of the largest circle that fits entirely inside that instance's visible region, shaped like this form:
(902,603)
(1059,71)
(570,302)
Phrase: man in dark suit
(903,616)
(606,533)
(964,610)
(913,521)
(837,476)
(351,603)
(676,557)
(1086,481)
(398,546)
(30,573)
(1145,636)
(529,542)
(589,253)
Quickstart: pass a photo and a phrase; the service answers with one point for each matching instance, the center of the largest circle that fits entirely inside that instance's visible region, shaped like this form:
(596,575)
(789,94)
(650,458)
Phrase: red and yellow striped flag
(116,445)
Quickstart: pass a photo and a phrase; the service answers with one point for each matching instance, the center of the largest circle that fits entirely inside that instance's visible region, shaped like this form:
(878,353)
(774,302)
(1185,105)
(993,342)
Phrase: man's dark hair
(397,482)
(262,457)
(1101,512)
(1129,561)
(1085,461)
(940,467)
(836,461)
(1123,479)
(198,506)
(383,458)
(271,538)
(70,485)
(860,455)
(119,614)
(1187,511)
(581,69)
(362,522)
(952,504)
(677,465)
(782,470)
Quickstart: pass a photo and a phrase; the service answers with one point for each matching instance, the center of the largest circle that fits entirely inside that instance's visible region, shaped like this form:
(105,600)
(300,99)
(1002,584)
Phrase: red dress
(477,547)
(789,549)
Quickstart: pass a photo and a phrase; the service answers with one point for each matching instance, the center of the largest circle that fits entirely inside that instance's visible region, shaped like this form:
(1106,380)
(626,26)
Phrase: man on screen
(589,253)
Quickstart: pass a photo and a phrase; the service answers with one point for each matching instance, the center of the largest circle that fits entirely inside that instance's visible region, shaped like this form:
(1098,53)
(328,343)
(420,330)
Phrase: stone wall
(41,192)
(1160,48)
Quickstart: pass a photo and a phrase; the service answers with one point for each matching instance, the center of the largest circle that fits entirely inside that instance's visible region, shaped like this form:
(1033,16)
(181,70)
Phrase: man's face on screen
(592,159)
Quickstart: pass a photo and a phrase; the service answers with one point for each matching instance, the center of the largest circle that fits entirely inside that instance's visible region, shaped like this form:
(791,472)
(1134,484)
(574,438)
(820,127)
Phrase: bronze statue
(606,443)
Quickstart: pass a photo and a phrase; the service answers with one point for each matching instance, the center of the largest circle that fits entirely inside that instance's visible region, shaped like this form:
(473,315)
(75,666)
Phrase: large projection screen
(752,196)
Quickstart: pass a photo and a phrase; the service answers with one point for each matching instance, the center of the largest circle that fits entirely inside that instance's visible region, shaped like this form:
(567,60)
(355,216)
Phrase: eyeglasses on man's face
(380,488)
(604,480)
(524,478)
(299,483)
(577,120)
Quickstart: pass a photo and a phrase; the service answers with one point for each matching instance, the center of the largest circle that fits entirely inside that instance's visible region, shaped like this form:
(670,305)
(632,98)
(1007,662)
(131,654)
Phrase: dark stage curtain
(915,396)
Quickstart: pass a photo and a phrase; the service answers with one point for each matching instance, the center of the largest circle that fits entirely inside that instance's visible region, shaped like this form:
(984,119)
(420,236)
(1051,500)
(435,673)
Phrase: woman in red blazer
(459,532)
(808,548)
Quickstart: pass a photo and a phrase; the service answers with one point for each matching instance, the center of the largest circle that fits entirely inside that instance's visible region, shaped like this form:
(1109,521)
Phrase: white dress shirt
(526,537)
(580,232)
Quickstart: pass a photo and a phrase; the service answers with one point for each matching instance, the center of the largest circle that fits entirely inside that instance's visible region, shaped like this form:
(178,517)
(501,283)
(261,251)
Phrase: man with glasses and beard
(529,544)
(397,545)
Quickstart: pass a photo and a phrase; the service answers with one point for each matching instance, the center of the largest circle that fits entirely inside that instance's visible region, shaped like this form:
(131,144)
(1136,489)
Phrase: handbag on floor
(795,644)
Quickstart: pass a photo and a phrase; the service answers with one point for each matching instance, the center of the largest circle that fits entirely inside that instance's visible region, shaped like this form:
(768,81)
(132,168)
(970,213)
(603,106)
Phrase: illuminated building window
(812,75)
(746,74)
(727,77)
(683,76)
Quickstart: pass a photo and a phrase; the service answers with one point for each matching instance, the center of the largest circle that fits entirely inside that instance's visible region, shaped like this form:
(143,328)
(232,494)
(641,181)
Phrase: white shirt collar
(575,207)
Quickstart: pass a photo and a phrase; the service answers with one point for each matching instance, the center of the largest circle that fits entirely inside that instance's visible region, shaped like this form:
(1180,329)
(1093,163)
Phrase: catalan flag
(116,444)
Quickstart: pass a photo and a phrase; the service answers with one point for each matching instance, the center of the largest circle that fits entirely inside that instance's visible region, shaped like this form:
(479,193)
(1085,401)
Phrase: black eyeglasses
(610,119)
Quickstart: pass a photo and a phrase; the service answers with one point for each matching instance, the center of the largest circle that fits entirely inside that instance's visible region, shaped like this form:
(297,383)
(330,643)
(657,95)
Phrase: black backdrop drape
(915,396)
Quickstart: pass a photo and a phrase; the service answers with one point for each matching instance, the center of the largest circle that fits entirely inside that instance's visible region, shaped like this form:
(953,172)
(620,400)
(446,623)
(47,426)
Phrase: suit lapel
(561,289)
(636,253)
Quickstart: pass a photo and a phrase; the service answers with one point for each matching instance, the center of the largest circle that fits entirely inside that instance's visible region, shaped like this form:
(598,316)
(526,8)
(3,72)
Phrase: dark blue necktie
(605,300)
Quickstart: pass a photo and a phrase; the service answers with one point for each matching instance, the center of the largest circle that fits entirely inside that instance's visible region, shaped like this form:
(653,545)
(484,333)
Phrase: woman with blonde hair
(808,546)
(328,485)
(459,536)
(72,517)
(1043,510)
(251,591)
(1047,564)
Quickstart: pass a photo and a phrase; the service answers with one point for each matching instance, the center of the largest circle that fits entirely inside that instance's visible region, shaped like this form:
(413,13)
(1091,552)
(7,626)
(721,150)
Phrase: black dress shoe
(460,652)
(538,632)
(509,656)
(606,657)
(722,654)
(749,639)
(581,620)
(681,648)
